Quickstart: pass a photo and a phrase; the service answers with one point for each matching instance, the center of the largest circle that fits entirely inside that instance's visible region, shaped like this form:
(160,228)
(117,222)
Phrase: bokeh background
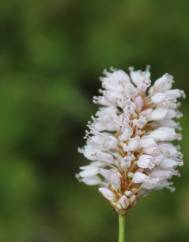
(51,55)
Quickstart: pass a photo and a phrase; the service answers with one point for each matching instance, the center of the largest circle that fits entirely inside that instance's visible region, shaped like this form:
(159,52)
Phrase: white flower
(107,193)
(129,139)
(139,177)
(145,161)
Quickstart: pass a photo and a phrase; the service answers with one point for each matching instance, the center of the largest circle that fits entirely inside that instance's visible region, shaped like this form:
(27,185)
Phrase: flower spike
(129,140)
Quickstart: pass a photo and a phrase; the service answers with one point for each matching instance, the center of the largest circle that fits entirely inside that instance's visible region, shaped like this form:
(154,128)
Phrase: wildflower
(129,139)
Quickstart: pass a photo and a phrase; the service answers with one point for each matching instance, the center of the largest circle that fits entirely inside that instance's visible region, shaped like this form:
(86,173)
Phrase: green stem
(121,236)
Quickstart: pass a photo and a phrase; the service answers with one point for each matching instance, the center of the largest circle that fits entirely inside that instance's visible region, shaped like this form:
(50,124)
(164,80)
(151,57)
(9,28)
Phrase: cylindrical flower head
(129,139)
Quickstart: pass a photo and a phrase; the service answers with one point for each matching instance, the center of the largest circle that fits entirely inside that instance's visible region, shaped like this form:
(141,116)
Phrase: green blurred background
(51,55)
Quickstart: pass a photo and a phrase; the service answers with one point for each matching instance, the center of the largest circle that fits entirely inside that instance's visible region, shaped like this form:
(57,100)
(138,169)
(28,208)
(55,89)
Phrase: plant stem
(121,235)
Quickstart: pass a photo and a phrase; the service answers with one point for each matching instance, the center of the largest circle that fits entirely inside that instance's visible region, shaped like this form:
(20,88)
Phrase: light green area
(121,228)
